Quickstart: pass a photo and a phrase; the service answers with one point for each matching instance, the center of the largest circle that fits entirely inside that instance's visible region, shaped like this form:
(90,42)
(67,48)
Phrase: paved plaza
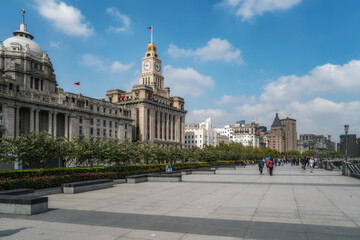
(233,204)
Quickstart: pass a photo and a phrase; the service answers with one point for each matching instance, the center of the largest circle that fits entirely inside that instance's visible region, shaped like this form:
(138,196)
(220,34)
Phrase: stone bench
(19,191)
(198,171)
(137,178)
(23,204)
(78,187)
(155,177)
(224,167)
(165,177)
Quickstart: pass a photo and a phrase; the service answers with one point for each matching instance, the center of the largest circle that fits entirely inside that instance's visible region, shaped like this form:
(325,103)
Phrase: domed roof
(22,41)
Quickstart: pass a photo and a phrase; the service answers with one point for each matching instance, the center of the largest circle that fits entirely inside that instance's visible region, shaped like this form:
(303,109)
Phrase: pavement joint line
(297,206)
(262,198)
(334,204)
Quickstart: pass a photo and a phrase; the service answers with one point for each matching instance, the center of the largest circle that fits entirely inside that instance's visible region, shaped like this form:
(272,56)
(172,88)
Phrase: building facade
(317,143)
(31,101)
(245,133)
(201,135)
(157,116)
(282,135)
(353,145)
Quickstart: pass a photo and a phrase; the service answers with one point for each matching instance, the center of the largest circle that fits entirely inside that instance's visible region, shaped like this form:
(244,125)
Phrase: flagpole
(152,27)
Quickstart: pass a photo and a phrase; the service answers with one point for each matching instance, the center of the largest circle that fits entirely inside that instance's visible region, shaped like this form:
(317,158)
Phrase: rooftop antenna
(23,15)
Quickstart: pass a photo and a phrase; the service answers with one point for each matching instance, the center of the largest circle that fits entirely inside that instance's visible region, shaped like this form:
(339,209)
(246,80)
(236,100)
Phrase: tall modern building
(282,135)
(158,117)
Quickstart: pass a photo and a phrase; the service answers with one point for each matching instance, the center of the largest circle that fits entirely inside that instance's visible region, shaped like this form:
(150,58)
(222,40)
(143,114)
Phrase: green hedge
(128,169)
(45,178)
(53,181)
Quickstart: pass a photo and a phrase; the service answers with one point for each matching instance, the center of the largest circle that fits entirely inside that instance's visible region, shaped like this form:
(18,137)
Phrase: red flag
(123,96)
(149,27)
(77,83)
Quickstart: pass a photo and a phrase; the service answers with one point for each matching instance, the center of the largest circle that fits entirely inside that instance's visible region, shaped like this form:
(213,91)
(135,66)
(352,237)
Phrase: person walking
(271,166)
(261,166)
(312,164)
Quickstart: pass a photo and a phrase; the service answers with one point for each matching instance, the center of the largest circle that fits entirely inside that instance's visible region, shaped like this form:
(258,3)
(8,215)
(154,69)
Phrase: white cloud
(231,100)
(215,50)
(124,19)
(322,81)
(102,64)
(309,99)
(118,67)
(187,81)
(199,115)
(247,9)
(65,18)
(55,44)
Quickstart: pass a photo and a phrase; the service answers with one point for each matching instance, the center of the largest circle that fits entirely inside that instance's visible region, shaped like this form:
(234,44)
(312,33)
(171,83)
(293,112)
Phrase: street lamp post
(346,126)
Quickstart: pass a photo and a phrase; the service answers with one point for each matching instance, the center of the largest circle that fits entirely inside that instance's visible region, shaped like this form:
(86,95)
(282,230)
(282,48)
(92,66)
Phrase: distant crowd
(306,162)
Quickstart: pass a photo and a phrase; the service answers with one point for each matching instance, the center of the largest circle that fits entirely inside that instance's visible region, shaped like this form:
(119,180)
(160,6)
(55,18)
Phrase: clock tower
(151,69)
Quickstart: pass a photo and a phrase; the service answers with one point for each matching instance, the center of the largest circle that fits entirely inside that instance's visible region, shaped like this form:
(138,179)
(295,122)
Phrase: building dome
(151,47)
(22,42)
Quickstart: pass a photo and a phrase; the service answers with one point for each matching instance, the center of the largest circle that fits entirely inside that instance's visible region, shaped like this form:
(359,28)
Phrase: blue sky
(229,59)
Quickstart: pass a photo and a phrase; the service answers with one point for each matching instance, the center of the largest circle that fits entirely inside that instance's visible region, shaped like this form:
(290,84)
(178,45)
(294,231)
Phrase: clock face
(157,66)
(147,65)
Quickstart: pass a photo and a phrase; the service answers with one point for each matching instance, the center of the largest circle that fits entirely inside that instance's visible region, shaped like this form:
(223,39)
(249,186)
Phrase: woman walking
(271,165)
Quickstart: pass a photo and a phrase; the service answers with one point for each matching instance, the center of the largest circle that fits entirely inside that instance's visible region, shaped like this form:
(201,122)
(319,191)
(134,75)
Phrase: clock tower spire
(151,69)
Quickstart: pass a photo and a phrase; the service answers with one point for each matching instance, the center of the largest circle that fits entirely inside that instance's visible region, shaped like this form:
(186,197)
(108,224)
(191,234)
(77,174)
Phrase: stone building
(353,145)
(157,116)
(31,101)
(201,135)
(245,133)
(282,135)
(317,143)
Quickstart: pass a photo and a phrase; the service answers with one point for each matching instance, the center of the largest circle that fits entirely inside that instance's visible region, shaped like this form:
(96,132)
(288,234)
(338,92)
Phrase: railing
(331,164)
(351,169)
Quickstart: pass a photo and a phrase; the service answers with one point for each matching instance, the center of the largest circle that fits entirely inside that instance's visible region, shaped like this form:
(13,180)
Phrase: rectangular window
(125,135)
(104,132)
(109,132)
(110,110)
(91,131)
(80,120)
(36,83)
(98,122)
(1,107)
(110,123)
(98,108)
(1,121)
(116,133)
(31,82)
(91,107)
(98,132)
(116,124)
(104,110)
(92,121)
(125,126)
(41,84)
(104,123)
(80,130)
(115,112)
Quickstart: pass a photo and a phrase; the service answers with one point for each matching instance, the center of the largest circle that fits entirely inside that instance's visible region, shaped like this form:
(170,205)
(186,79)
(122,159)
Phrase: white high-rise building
(201,134)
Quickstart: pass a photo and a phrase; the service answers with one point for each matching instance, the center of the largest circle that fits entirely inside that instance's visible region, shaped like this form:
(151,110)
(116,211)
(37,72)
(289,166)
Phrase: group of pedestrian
(269,163)
(307,162)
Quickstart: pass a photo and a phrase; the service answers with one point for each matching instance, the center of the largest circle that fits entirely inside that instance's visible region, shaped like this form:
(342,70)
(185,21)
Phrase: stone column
(17,123)
(170,127)
(152,124)
(32,110)
(177,127)
(50,122)
(158,125)
(67,125)
(55,124)
(37,123)
(167,127)
(163,126)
